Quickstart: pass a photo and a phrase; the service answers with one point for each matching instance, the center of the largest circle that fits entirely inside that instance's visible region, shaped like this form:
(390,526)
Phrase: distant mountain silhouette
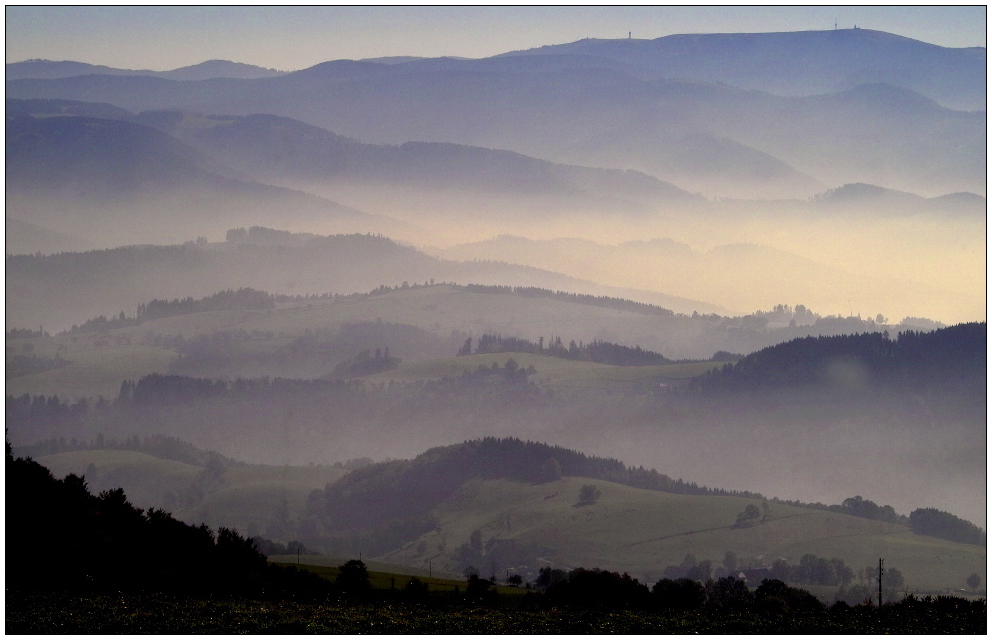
(880,201)
(51,69)
(219,69)
(801,63)
(66,108)
(558,107)
(393,59)
(125,183)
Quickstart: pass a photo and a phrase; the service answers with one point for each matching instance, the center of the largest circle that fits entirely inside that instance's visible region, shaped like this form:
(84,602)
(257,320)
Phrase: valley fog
(604,303)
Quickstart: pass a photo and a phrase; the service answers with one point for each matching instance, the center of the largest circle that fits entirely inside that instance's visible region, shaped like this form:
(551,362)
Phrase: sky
(289,38)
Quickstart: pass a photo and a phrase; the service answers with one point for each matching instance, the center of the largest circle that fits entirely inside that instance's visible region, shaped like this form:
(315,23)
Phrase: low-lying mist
(812,445)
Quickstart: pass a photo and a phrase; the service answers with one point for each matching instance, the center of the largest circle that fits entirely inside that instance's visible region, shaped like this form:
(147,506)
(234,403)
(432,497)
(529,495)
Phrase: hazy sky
(288,38)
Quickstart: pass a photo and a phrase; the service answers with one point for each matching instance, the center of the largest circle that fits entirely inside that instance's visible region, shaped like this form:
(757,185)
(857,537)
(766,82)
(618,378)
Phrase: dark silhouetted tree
(353,578)
(682,594)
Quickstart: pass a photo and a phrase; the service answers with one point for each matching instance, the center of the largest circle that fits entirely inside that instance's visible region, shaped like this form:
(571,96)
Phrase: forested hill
(385,492)
(954,356)
(64,537)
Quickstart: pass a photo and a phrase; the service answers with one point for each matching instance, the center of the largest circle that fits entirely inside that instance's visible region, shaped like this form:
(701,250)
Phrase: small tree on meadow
(974,580)
(748,516)
(589,493)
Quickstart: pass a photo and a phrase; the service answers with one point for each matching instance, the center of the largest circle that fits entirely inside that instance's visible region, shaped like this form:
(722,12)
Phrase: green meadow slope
(522,526)
(642,532)
(255,499)
(551,372)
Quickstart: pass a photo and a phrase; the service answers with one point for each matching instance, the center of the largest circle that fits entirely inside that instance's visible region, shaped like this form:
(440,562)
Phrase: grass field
(249,498)
(555,373)
(94,370)
(382,575)
(255,496)
(642,532)
(146,480)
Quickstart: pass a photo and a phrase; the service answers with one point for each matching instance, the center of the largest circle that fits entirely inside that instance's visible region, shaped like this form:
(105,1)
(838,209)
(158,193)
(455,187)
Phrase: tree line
(598,351)
(954,357)
(243,299)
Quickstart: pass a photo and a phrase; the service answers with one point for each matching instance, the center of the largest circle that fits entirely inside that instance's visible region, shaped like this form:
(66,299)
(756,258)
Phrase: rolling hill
(521,519)
(815,423)
(254,499)
(643,532)
(307,337)
(107,282)
(117,182)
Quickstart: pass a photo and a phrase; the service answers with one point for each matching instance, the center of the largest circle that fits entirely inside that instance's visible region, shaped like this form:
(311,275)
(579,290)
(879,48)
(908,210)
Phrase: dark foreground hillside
(33,612)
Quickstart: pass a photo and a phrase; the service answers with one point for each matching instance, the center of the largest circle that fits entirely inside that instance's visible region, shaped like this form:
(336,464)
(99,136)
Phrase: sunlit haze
(421,299)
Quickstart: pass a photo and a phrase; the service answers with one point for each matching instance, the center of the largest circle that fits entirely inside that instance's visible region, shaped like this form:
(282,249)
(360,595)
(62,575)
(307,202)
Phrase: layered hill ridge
(282,149)
(801,141)
(105,282)
(739,271)
(116,180)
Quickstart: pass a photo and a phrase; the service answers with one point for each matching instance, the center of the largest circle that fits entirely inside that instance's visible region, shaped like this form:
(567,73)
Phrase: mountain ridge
(477,103)
(53,69)
(834,59)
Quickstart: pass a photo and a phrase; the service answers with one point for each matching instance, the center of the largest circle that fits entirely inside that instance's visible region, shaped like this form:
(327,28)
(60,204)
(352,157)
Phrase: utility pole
(880,584)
